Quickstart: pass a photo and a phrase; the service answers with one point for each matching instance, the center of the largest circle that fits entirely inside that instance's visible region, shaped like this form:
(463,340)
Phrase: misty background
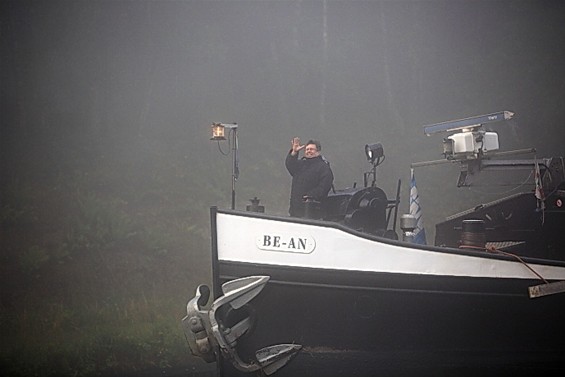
(108,172)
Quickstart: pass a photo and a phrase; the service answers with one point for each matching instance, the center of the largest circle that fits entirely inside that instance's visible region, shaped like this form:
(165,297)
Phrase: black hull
(354,323)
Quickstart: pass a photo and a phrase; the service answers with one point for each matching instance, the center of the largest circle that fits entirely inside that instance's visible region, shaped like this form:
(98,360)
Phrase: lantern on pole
(219,134)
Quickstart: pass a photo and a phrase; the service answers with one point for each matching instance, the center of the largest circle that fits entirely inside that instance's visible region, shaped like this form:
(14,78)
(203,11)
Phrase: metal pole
(234,168)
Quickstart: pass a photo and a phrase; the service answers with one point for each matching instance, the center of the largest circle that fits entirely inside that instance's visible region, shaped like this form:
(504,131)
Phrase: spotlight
(374,152)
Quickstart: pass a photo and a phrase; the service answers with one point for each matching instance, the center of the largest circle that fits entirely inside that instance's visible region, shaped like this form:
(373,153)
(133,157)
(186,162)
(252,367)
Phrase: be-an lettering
(286,243)
(292,243)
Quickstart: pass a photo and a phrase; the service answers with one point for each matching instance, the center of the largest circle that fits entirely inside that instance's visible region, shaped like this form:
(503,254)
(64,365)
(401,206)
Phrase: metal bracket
(207,336)
(547,289)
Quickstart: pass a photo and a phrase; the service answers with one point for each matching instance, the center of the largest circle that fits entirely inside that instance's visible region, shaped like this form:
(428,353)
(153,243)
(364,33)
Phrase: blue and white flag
(416,211)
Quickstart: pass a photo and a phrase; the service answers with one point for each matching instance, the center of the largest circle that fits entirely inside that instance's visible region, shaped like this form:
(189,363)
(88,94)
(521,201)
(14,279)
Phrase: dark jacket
(311,177)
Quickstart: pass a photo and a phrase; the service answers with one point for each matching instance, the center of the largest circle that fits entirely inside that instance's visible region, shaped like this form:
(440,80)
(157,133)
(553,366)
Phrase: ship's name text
(289,243)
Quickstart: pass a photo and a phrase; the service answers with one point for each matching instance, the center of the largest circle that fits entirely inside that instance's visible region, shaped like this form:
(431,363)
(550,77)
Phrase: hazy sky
(345,72)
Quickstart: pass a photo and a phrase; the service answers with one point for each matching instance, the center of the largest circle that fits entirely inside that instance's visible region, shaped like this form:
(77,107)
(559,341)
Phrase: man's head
(312,149)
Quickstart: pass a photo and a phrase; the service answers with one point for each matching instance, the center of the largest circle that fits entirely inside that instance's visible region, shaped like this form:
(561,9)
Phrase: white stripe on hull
(314,246)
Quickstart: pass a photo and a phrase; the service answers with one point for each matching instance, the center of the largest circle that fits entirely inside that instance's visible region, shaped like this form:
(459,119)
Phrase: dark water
(199,370)
(368,369)
(357,364)
(397,364)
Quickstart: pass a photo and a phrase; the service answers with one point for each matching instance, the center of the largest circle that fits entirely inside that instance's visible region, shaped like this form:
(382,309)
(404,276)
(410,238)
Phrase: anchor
(208,337)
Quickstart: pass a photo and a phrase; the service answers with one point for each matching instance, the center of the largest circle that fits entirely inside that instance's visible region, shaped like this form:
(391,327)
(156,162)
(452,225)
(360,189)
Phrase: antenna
(467,123)
(472,147)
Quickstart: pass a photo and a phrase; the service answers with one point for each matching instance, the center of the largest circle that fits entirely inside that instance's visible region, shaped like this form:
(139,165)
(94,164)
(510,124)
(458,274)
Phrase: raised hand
(296,147)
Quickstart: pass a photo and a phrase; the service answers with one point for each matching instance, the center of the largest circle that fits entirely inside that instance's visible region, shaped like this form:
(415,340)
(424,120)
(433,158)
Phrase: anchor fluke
(240,291)
(209,337)
(275,357)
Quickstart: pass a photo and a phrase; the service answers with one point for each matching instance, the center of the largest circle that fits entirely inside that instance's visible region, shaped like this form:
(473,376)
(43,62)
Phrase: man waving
(312,177)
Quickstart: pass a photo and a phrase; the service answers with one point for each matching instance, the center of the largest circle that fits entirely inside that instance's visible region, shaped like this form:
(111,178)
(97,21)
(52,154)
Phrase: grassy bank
(96,269)
(93,339)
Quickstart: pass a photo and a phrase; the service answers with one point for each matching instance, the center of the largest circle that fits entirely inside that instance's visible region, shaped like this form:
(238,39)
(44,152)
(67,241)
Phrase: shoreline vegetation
(96,270)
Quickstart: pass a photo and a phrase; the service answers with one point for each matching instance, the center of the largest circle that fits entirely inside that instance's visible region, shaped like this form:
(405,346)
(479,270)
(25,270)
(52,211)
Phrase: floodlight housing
(374,151)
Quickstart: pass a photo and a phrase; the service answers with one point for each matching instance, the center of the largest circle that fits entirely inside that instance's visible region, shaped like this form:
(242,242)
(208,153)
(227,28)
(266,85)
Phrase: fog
(347,73)
(135,85)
